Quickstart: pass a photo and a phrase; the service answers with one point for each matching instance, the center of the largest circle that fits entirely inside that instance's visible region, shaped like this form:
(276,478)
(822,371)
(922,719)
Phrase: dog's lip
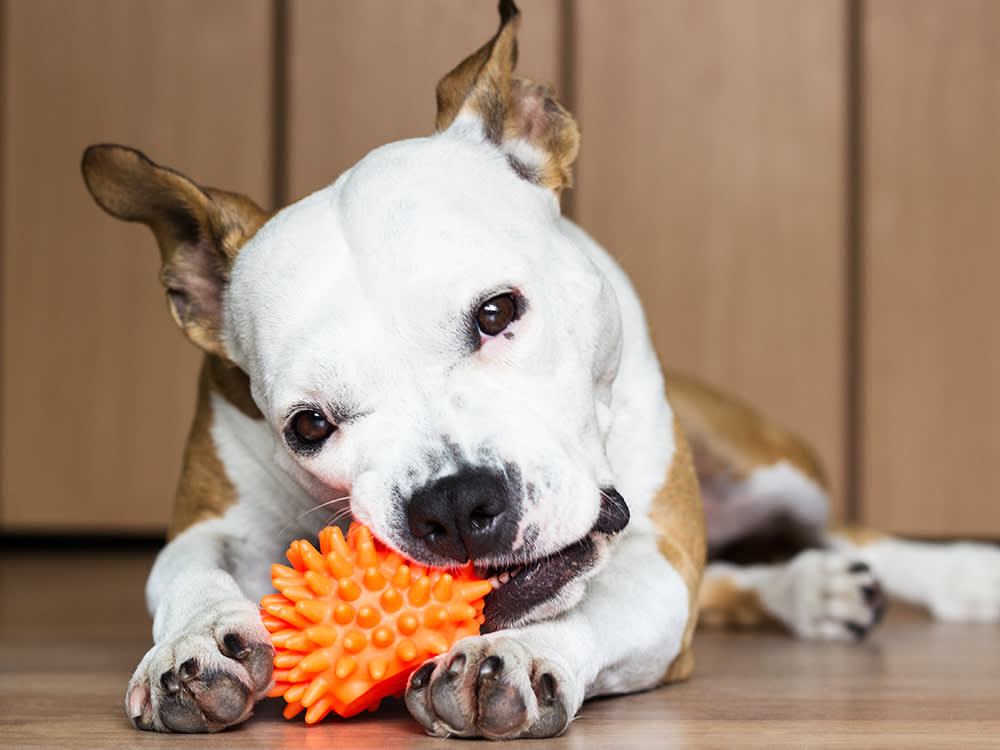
(523,586)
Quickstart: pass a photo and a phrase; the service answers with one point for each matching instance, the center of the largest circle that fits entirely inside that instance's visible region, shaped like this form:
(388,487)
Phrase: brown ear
(199,231)
(522,117)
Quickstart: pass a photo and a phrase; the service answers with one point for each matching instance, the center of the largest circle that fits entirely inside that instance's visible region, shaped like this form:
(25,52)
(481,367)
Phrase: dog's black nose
(473,513)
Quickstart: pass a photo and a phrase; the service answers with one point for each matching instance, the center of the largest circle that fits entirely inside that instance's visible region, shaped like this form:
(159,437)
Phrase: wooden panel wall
(712,166)
(363,74)
(98,385)
(931,266)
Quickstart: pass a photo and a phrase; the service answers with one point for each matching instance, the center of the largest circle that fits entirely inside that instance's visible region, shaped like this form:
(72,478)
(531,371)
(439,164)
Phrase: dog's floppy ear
(199,231)
(539,136)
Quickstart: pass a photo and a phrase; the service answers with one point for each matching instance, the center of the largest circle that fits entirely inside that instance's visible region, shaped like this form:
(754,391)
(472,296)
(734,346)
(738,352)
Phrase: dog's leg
(766,509)
(212,657)
(820,594)
(955,581)
(530,681)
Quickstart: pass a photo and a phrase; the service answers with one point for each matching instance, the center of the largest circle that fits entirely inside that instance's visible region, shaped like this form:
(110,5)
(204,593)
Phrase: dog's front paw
(826,595)
(489,686)
(962,582)
(207,678)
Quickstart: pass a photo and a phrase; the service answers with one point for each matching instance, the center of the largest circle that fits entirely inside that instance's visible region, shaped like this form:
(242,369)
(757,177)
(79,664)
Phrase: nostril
(481,518)
(428,527)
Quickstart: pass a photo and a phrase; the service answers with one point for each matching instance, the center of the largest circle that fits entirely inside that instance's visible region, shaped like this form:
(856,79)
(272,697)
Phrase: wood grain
(712,166)
(363,74)
(98,386)
(914,684)
(931,253)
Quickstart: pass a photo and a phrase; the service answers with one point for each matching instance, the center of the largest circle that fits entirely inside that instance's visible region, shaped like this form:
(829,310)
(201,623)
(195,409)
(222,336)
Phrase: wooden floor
(72,627)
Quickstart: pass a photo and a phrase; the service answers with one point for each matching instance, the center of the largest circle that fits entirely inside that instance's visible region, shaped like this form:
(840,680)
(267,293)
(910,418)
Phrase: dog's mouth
(520,590)
(529,587)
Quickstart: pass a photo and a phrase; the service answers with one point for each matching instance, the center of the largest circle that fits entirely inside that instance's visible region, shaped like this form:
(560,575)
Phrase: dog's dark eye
(496,313)
(311,427)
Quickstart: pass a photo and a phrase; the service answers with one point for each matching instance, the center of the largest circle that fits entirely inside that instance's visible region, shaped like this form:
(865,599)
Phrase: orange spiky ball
(354,619)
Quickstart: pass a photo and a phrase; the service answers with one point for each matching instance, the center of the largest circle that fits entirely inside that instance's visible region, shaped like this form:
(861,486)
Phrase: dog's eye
(496,313)
(311,427)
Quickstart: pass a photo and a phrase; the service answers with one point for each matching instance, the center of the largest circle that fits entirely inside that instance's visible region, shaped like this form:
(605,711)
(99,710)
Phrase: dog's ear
(541,139)
(199,231)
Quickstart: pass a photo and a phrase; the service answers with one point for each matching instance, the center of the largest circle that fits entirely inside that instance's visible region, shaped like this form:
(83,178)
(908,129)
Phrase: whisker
(340,514)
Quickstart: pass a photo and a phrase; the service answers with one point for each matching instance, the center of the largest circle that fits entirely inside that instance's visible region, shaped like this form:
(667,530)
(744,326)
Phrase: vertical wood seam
(854,112)
(4,66)
(567,93)
(279,103)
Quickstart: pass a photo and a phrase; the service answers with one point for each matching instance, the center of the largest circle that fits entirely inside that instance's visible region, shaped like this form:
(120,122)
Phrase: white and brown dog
(429,347)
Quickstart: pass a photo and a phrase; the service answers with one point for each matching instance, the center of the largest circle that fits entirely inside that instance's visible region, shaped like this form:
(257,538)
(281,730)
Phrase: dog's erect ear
(522,117)
(199,231)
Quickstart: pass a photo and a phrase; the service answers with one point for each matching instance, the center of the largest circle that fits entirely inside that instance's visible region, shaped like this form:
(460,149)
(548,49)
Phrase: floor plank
(72,627)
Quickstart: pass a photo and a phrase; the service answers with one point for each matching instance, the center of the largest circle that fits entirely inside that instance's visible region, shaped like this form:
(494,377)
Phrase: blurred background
(806,194)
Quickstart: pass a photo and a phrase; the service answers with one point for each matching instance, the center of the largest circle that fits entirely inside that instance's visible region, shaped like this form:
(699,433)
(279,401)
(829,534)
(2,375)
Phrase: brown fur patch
(729,436)
(722,603)
(481,81)
(677,515)
(230,382)
(199,231)
(543,122)
(204,490)
(511,108)
(859,536)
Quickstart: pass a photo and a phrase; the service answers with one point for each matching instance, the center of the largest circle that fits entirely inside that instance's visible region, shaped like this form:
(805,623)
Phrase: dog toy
(354,619)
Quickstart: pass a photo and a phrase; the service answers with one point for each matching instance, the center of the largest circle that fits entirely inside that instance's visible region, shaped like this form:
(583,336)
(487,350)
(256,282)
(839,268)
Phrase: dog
(427,346)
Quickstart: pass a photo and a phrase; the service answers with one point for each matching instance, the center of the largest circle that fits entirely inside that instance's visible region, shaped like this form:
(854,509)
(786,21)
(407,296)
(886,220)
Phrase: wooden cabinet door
(712,166)
(98,385)
(931,258)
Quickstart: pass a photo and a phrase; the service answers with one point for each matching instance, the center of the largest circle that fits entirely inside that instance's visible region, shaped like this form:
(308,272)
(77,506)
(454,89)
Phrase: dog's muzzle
(475,513)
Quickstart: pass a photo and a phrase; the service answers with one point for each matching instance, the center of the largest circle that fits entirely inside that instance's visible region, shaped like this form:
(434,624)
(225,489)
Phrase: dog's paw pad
(488,687)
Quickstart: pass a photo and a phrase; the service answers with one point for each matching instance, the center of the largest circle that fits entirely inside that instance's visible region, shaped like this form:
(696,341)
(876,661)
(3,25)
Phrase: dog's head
(422,336)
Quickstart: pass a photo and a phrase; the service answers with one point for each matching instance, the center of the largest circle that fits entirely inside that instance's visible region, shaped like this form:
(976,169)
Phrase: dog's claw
(169,681)
(235,646)
(189,670)
(137,702)
(490,668)
(546,688)
(421,677)
(488,687)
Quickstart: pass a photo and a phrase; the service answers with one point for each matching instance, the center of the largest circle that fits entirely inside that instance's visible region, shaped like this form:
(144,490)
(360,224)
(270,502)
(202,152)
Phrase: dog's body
(429,347)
